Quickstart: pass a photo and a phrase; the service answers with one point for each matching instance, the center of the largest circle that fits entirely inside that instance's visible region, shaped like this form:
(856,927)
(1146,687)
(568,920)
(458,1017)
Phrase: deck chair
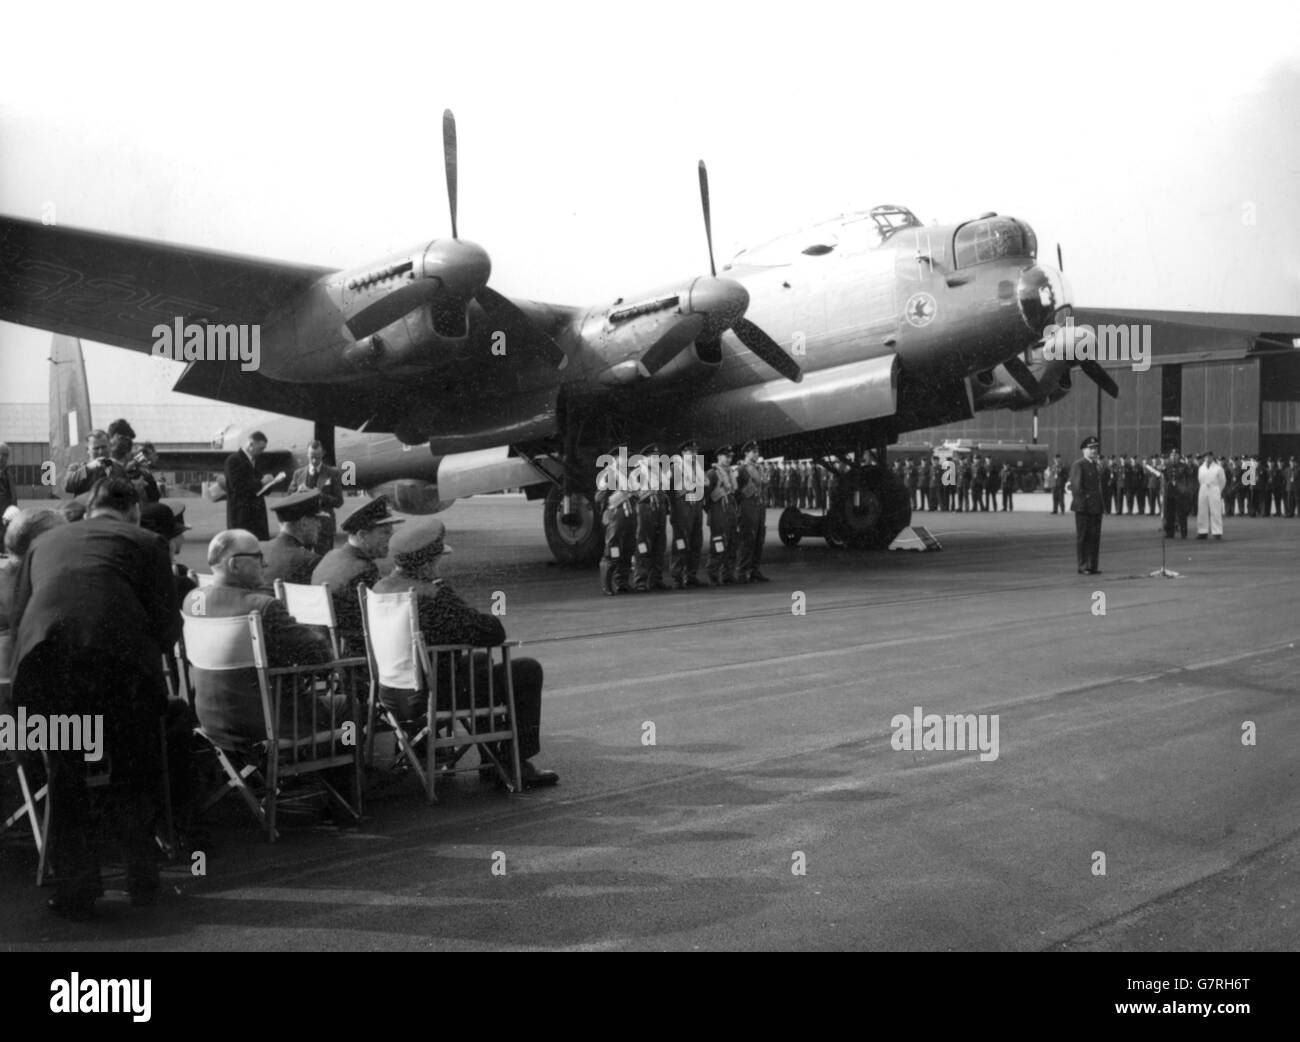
(311,606)
(312,741)
(464,717)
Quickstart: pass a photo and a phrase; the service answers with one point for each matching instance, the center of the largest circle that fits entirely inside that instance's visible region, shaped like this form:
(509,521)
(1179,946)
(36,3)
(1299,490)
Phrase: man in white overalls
(1209,503)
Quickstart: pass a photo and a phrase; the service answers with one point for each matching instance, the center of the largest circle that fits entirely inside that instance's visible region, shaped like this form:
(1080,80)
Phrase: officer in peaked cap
(688,518)
(421,540)
(652,508)
(291,555)
(1085,489)
(354,564)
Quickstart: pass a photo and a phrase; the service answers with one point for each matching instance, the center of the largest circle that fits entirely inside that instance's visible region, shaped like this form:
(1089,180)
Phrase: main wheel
(785,527)
(871,507)
(578,539)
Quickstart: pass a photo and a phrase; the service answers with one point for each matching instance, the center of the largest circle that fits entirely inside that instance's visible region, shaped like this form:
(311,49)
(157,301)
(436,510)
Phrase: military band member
(752,520)
(1058,478)
(1085,491)
(354,564)
(326,480)
(1232,477)
(721,506)
(617,507)
(291,556)
(1154,483)
(688,519)
(965,476)
(1244,487)
(1292,483)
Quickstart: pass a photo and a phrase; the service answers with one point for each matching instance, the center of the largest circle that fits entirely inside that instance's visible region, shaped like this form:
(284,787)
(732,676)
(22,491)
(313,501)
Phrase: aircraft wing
(113,289)
(1201,336)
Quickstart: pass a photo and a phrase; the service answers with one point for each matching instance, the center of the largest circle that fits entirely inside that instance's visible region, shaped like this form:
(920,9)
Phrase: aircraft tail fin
(70,422)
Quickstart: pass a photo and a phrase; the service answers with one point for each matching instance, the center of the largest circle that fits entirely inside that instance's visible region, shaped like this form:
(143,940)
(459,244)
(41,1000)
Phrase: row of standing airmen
(636,521)
(969,483)
(1253,487)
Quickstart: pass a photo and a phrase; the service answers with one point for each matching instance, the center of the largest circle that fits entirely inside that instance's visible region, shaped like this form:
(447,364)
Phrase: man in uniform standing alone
(1085,490)
(753,518)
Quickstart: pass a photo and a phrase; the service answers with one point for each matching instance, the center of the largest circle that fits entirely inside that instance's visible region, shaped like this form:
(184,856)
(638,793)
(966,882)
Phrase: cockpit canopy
(844,235)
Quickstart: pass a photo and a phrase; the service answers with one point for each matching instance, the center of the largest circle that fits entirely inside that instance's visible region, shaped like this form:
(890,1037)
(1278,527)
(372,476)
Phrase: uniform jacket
(288,559)
(346,569)
(1085,487)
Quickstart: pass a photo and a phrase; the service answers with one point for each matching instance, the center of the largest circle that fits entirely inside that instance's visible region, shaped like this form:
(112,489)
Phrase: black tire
(785,528)
(577,546)
(883,509)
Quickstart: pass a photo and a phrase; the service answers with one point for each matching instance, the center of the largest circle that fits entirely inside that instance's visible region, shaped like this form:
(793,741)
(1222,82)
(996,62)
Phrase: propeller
(449,162)
(1021,373)
(746,331)
(449,276)
(1093,370)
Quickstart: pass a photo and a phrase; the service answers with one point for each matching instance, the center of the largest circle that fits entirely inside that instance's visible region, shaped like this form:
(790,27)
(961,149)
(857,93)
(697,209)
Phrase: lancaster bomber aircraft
(829,342)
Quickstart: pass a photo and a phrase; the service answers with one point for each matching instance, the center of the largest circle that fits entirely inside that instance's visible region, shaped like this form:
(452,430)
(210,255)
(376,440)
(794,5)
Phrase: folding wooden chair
(203,578)
(311,606)
(296,743)
(461,719)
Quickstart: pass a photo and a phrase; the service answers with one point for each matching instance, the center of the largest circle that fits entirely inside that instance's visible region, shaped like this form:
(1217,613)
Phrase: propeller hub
(463,267)
(721,303)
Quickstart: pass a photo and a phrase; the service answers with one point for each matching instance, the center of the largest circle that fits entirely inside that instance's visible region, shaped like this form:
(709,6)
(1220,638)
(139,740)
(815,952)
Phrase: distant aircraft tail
(70,422)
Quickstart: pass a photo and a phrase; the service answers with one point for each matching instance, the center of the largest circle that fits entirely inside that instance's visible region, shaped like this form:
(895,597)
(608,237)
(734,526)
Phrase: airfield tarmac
(1118,733)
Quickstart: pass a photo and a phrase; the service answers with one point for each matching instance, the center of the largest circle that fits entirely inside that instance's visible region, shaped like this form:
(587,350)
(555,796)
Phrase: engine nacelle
(412,496)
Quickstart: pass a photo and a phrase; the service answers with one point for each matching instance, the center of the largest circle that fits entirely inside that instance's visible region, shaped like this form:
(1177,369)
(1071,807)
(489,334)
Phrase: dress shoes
(537,777)
(759,577)
(693,581)
(714,581)
(1202,537)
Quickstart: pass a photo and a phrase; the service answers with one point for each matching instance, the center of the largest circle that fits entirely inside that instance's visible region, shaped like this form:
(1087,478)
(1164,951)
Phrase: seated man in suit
(228,703)
(446,619)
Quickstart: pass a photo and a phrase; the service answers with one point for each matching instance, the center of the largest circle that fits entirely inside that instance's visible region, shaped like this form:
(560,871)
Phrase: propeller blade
(1060,260)
(392,306)
(679,336)
(767,349)
(505,315)
(708,220)
(1024,377)
(449,160)
(1100,377)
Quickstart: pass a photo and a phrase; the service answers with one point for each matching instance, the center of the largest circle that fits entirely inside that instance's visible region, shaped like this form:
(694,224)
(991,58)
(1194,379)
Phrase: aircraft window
(817,250)
(982,241)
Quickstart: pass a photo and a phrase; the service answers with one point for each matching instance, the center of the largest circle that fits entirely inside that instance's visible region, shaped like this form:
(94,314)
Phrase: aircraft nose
(1041,292)
(463,267)
(722,302)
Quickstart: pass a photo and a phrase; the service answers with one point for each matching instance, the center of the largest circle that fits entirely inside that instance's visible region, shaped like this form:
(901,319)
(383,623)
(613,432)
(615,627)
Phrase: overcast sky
(1146,146)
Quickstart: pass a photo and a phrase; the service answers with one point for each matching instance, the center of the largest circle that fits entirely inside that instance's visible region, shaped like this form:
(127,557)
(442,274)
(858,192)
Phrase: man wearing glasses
(229,703)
